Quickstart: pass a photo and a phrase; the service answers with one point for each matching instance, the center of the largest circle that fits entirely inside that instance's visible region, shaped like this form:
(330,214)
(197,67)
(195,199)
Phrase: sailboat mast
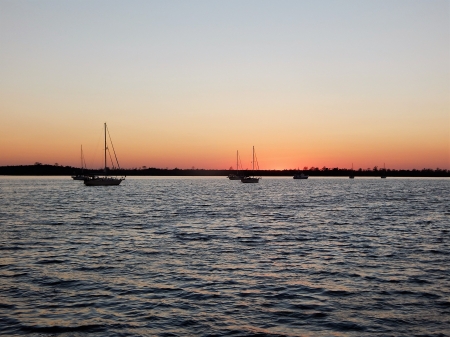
(253,161)
(82,160)
(105,147)
(237,162)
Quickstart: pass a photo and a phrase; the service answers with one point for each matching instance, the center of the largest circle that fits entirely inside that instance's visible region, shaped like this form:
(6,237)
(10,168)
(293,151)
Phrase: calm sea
(213,257)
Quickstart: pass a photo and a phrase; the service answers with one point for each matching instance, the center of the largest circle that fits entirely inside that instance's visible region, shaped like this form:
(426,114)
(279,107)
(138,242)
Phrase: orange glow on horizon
(213,146)
(136,154)
(189,93)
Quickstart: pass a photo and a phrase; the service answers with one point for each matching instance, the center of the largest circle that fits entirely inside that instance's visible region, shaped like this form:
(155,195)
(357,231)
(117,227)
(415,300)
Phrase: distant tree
(37,163)
(305,168)
(375,168)
(144,167)
(56,164)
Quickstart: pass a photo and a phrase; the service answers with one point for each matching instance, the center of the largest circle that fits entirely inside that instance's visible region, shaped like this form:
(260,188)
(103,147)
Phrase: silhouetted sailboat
(236,176)
(383,175)
(300,175)
(105,181)
(352,175)
(252,178)
(83,166)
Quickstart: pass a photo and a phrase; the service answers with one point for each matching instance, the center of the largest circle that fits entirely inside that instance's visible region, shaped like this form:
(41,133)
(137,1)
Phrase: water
(212,257)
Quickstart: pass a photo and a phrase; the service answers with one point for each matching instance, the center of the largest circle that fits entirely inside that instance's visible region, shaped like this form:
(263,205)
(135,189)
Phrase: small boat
(83,166)
(300,176)
(102,181)
(383,175)
(352,176)
(252,179)
(236,176)
(94,180)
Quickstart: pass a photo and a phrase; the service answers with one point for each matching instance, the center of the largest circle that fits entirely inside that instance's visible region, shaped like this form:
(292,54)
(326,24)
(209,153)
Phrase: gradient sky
(187,83)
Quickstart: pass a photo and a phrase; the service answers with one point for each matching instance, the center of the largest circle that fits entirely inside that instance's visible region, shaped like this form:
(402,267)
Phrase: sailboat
(105,180)
(236,176)
(383,176)
(352,175)
(301,175)
(251,179)
(83,166)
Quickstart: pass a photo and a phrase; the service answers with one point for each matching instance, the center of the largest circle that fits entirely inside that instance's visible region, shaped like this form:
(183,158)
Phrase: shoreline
(52,170)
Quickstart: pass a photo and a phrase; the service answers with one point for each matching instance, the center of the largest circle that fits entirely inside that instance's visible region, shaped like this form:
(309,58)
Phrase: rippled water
(212,257)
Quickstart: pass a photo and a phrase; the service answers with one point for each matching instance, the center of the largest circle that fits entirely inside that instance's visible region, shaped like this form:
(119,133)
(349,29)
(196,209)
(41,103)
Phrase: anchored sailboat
(352,175)
(300,176)
(236,176)
(252,179)
(105,180)
(83,166)
(383,175)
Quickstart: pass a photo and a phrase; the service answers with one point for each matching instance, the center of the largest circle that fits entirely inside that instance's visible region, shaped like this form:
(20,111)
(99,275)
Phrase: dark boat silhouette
(94,180)
(251,178)
(236,176)
(83,166)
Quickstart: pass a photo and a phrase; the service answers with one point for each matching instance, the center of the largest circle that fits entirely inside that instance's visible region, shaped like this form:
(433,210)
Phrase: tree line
(39,169)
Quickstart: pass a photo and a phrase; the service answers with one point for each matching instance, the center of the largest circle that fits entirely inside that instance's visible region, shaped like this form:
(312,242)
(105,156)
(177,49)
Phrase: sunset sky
(187,83)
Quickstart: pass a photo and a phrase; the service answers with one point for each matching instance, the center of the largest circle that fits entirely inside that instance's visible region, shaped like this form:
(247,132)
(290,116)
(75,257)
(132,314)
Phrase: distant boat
(300,176)
(352,175)
(104,181)
(236,176)
(251,179)
(383,175)
(83,166)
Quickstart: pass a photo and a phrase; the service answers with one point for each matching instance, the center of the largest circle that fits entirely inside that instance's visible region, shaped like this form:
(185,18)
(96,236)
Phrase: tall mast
(237,162)
(253,161)
(105,147)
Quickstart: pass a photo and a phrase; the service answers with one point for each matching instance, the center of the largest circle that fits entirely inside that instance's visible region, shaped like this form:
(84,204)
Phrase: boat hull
(102,181)
(301,176)
(234,177)
(78,177)
(250,180)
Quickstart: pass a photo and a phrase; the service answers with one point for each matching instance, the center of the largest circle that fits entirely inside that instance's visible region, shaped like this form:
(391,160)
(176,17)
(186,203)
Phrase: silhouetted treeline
(55,170)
